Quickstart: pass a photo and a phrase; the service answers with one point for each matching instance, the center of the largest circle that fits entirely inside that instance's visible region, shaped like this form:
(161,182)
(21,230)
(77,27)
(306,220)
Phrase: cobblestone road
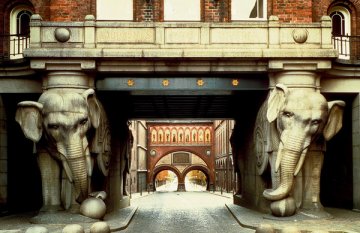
(177,212)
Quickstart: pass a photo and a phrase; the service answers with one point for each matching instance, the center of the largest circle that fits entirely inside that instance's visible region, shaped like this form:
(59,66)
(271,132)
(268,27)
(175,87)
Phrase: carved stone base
(283,208)
(125,202)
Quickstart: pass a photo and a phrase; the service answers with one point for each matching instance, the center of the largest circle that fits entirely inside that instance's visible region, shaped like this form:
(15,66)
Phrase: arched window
(19,30)
(173,135)
(23,22)
(194,136)
(161,135)
(338,23)
(207,135)
(341,29)
(167,135)
(187,135)
(20,20)
(154,135)
(201,135)
(341,21)
(180,135)
(249,9)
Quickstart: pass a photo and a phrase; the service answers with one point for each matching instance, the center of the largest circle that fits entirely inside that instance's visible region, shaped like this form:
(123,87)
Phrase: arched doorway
(166,178)
(166,181)
(195,181)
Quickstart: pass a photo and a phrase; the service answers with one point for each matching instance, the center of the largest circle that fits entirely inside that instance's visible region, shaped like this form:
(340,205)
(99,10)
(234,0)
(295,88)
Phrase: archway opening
(166,181)
(195,180)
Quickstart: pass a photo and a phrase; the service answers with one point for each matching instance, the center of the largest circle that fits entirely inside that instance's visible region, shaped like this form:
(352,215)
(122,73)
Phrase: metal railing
(348,47)
(12,46)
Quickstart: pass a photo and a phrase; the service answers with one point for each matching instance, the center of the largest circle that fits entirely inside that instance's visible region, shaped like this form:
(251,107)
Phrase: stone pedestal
(124,202)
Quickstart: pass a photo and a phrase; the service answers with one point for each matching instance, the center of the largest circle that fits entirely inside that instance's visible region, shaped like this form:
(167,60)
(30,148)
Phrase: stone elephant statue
(72,134)
(292,127)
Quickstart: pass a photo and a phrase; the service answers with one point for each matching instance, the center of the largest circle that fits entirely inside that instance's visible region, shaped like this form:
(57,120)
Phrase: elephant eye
(53,126)
(83,121)
(288,114)
(315,122)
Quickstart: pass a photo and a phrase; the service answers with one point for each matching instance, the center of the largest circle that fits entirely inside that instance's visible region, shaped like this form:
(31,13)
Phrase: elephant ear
(276,101)
(334,122)
(94,108)
(28,115)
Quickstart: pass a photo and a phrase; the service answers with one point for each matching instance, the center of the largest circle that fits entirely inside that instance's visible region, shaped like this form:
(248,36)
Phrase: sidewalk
(341,220)
(223,194)
(118,220)
(55,222)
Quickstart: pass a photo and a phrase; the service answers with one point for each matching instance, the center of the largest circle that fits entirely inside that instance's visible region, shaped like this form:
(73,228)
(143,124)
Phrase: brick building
(178,59)
(181,147)
(224,159)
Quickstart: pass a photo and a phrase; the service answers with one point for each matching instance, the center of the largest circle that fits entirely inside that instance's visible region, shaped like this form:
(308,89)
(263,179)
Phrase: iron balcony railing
(348,47)
(12,46)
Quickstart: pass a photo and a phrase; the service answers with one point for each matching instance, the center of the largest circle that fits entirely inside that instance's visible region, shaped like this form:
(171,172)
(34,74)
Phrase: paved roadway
(190,212)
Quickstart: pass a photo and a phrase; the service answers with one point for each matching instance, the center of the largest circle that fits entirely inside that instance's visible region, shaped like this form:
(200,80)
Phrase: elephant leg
(125,192)
(312,173)
(50,177)
(122,177)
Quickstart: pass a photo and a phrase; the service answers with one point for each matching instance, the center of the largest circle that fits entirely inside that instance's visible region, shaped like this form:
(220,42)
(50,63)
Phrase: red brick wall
(299,11)
(322,7)
(216,10)
(69,10)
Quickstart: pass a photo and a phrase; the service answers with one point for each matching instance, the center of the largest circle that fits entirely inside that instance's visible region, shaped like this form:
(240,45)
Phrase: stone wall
(3,156)
(356,152)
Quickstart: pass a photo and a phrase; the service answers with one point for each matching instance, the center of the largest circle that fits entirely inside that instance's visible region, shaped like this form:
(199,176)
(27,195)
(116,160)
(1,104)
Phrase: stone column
(295,79)
(3,156)
(75,80)
(356,151)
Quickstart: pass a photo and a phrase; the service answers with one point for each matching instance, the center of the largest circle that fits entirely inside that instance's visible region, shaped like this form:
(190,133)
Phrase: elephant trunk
(77,164)
(288,155)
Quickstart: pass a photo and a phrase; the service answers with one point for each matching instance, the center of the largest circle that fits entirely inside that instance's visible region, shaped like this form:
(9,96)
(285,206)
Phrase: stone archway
(160,168)
(201,168)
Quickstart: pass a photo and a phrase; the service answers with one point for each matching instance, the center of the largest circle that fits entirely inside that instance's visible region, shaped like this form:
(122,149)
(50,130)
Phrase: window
(338,24)
(182,10)
(340,17)
(19,31)
(341,26)
(249,9)
(114,10)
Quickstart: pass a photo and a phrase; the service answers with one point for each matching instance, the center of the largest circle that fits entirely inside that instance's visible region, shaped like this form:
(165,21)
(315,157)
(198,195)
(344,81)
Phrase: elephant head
(302,116)
(60,121)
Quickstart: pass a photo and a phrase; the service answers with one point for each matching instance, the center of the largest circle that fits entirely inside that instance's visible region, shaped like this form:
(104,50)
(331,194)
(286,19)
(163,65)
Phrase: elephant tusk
(89,160)
(301,162)
(279,157)
(67,170)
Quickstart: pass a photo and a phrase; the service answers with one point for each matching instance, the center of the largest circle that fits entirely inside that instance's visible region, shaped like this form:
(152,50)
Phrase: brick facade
(293,10)
(165,145)
(303,11)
